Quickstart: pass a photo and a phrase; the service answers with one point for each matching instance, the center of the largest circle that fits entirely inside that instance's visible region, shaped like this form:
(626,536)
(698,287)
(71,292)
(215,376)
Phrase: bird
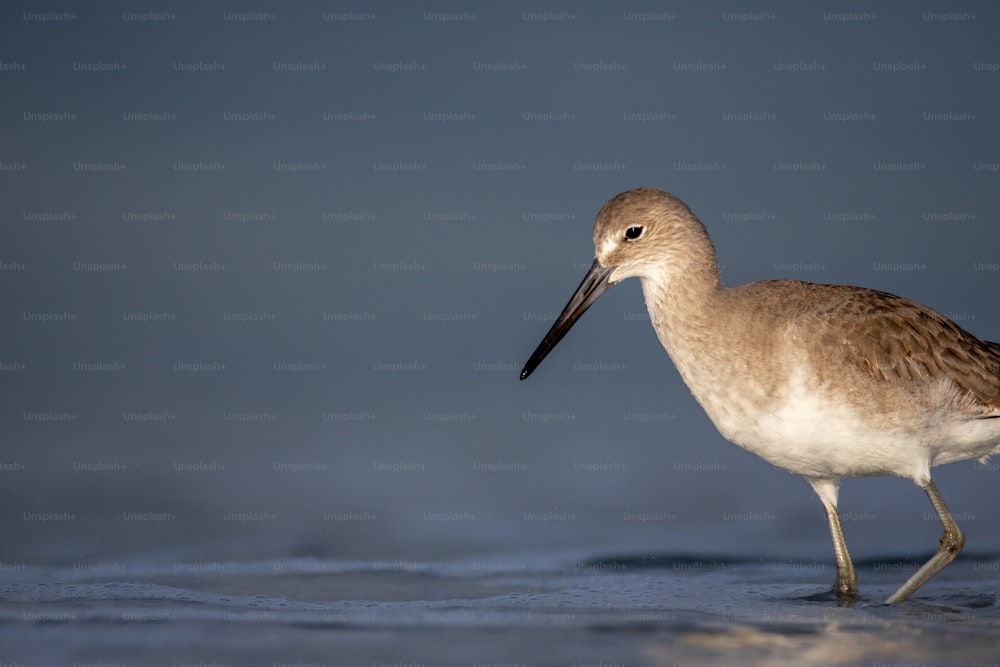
(825,381)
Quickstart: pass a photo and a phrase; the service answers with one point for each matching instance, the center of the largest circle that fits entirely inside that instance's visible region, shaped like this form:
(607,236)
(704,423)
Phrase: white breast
(811,435)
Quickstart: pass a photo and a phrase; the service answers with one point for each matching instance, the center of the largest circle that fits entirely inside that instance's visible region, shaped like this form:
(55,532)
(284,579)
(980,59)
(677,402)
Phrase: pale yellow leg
(847,581)
(951,543)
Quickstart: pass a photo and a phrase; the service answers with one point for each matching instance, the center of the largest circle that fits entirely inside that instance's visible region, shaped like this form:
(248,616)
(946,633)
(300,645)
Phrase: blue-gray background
(270,272)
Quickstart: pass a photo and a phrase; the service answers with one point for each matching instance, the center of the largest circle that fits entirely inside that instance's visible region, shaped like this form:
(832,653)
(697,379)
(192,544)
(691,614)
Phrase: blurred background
(269,275)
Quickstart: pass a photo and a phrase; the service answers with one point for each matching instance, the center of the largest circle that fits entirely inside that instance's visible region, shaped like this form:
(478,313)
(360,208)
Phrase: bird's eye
(632,233)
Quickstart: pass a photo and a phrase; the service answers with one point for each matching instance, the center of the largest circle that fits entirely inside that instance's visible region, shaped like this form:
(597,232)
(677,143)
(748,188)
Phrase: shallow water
(529,609)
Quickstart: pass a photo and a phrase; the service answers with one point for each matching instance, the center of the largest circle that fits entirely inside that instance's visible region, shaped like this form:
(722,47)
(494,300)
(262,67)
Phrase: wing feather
(894,339)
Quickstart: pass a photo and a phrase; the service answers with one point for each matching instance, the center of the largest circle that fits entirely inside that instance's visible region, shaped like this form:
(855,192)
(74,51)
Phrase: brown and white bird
(826,381)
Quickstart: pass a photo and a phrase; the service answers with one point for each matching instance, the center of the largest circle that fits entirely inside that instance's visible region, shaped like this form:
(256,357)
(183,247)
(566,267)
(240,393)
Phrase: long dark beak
(594,284)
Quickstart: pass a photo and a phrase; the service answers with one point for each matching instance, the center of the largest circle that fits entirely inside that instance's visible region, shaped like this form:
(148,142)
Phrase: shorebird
(826,381)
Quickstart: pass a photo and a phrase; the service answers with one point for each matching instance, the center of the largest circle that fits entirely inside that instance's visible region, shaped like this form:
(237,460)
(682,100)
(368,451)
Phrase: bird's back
(889,338)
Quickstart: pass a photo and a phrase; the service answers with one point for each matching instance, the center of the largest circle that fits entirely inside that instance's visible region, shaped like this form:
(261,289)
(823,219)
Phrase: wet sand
(531,609)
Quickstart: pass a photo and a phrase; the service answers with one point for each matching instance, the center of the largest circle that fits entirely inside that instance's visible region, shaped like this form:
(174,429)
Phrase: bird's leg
(846,586)
(951,543)
(847,580)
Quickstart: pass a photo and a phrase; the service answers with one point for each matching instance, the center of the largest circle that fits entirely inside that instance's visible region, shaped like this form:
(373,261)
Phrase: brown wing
(895,339)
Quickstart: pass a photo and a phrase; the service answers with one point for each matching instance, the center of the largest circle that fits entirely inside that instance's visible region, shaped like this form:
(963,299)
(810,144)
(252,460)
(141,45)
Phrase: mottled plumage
(827,381)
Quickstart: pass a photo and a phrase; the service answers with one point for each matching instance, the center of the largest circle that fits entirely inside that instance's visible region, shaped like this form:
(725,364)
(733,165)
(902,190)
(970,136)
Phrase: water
(646,564)
(553,608)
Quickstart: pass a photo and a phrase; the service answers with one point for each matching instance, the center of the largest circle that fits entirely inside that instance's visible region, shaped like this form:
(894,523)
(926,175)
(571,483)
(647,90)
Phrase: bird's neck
(684,294)
(686,302)
(690,296)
